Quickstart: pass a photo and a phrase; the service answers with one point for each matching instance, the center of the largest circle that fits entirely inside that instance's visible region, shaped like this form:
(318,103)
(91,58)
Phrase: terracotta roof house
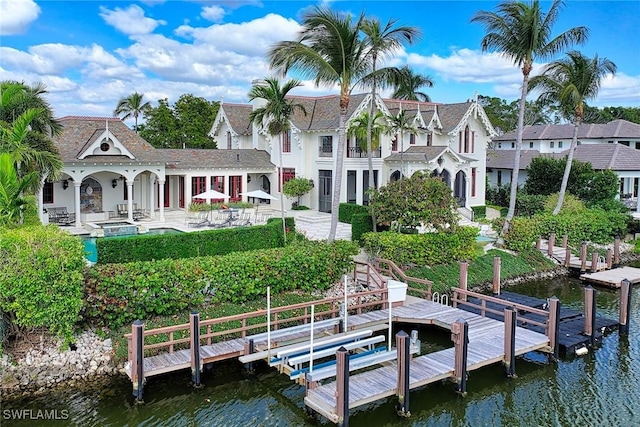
(451,142)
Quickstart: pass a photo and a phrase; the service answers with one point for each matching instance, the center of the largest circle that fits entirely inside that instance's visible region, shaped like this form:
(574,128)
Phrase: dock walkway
(613,278)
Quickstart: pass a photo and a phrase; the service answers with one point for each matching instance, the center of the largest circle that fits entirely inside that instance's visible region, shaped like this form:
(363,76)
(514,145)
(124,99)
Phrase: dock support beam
(510,315)
(137,362)
(583,257)
(496,275)
(342,386)
(565,241)
(554,325)
(594,262)
(404,361)
(464,268)
(616,252)
(460,338)
(552,243)
(249,348)
(567,257)
(625,306)
(194,320)
(609,259)
(590,314)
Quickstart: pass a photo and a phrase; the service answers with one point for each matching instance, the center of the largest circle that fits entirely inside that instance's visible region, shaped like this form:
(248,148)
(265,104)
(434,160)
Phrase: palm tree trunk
(516,163)
(372,109)
(567,168)
(281,179)
(337,182)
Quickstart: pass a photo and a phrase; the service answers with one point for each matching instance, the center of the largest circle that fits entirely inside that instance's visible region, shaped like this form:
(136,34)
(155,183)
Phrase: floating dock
(614,277)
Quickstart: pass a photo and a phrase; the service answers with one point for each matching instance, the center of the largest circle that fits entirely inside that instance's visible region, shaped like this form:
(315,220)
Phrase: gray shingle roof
(451,114)
(238,115)
(504,159)
(617,129)
(417,154)
(219,159)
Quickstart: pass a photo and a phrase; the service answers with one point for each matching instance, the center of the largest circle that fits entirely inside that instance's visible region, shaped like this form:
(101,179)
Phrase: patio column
(76,202)
(129,200)
(467,191)
(161,198)
(152,211)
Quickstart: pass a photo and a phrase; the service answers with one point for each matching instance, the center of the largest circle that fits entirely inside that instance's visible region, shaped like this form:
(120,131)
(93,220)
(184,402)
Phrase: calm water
(599,389)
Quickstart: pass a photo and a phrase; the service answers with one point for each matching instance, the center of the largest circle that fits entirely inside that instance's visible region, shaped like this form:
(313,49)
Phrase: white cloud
(16,15)
(130,21)
(212,13)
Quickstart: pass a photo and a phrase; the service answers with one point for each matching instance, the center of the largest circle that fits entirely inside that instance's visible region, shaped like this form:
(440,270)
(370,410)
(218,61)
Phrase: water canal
(599,389)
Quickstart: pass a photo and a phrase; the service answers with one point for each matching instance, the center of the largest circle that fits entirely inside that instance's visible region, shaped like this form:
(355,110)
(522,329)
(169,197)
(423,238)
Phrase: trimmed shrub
(116,294)
(188,245)
(347,210)
(530,204)
(479,212)
(41,278)
(360,223)
(422,249)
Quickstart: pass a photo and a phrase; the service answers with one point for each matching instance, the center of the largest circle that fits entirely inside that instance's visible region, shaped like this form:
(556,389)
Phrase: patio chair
(122,210)
(200,220)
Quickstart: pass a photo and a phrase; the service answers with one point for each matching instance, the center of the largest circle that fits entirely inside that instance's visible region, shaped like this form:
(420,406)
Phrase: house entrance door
(460,188)
(324,190)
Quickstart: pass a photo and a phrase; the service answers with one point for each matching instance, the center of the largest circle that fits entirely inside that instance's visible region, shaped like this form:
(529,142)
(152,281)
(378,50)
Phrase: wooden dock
(613,278)
(563,255)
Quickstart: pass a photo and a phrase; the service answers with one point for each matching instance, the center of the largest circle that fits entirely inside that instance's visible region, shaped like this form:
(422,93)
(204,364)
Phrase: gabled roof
(219,159)
(79,133)
(617,157)
(417,153)
(617,129)
(236,116)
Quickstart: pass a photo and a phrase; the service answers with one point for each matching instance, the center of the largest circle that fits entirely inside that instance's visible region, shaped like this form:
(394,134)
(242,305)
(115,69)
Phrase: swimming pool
(91,251)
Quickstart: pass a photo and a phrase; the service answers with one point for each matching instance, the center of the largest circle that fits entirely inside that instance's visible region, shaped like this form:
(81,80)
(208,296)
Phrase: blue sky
(91,53)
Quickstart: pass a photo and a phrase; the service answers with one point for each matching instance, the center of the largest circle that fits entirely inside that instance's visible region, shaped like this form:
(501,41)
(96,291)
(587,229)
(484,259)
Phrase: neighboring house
(614,145)
(107,164)
(451,142)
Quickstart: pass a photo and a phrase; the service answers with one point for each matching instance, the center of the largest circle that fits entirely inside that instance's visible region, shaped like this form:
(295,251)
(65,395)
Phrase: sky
(91,53)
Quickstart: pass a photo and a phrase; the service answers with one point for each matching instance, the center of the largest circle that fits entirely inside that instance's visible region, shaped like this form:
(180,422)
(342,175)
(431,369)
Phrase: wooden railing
(390,269)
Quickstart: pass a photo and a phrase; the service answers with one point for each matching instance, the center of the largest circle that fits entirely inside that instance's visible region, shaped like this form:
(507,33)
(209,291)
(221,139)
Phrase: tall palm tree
(398,125)
(408,83)
(17,98)
(522,32)
(133,105)
(382,41)
(569,82)
(275,117)
(329,51)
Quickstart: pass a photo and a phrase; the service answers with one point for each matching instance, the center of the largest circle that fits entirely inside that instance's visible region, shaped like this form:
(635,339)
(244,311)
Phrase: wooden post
(137,362)
(616,252)
(539,243)
(594,262)
(552,243)
(404,361)
(567,257)
(194,323)
(609,259)
(565,241)
(342,386)
(464,268)
(460,338)
(496,275)
(590,314)
(554,325)
(249,348)
(510,315)
(583,257)
(625,306)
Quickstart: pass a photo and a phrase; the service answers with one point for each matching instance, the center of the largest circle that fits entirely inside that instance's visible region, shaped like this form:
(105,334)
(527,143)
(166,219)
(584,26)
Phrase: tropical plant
(329,51)
(275,116)
(407,85)
(397,126)
(569,82)
(361,127)
(381,42)
(297,187)
(130,106)
(17,98)
(522,32)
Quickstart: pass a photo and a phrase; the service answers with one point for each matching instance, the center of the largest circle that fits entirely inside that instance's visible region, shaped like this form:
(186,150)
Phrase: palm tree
(17,98)
(569,82)
(132,106)
(381,41)
(330,52)
(275,116)
(522,33)
(12,189)
(407,85)
(398,125)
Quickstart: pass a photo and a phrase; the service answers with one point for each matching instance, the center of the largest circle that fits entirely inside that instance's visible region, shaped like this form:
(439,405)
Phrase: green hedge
(479,212)
(360,223)
(422,249)
(592,225)
(187,245)
(347,210)
(41,278)
(116,294)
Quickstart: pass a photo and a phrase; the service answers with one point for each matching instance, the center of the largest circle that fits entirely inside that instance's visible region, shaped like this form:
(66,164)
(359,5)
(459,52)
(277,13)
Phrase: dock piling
(616,252)
(460,338)
(510,315)
(194,320)
(342,386)
(583,257)
(594,262)
(464,268)
(554,325)
(567,257)
(496,275)
(565,241)
(249,348)
(552,243)
(590,314)
(539,243)
(625,306)
(609,259)
(137,363)
(404,362)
